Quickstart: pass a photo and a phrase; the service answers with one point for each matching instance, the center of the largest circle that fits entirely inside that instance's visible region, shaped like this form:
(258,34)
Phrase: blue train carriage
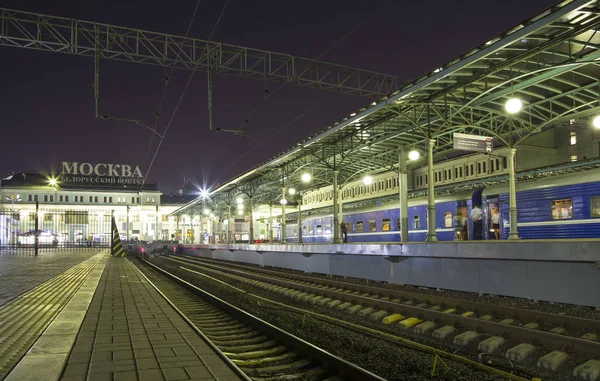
(565,206)
(381,223)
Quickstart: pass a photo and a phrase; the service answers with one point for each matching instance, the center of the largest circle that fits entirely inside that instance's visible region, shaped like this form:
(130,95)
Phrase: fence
(54,229)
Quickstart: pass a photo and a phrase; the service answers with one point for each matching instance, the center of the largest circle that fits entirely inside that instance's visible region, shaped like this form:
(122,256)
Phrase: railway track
(542,340)
(261,350)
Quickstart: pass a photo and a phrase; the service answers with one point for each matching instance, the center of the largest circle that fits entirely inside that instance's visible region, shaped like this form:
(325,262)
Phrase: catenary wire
(255,110)
(181,98)
(168,74)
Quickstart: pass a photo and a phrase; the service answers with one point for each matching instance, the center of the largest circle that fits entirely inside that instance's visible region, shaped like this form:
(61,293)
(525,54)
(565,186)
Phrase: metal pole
(230,226)
(337,237)
(251,227)
(300,220)
(403,193)
(127,228)
(37,227)
(514,233)
(112,232)
(431,234)
(270,224)
(283,232)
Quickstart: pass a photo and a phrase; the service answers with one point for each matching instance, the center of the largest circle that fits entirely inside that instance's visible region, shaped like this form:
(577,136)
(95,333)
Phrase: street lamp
(283,201)
(239,200)
(306,177)
(292,191)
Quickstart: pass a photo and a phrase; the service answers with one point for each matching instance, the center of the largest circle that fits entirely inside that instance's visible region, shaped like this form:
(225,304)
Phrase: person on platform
(344,232)
(458,227)
(476,215)
(496,223)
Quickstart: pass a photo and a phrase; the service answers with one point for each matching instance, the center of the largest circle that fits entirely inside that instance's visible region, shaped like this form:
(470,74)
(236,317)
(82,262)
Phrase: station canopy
(550,62)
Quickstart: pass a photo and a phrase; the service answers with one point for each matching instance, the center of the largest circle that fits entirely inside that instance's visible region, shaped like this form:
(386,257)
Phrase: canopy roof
(550,62)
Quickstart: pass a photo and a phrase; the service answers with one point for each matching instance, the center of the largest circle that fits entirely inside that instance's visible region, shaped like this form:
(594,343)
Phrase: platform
(20,272)
(114,326)
(561,271)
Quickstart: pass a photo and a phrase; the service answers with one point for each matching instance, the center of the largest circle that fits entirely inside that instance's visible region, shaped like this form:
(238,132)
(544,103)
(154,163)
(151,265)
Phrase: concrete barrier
(562,271)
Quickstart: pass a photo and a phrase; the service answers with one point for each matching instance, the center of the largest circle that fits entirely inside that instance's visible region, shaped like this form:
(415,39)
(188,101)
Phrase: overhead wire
(168,74)
(255,110)
(181,98)
(269,137)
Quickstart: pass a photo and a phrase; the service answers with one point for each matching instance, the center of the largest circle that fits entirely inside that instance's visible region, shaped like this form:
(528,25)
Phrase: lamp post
(12,198)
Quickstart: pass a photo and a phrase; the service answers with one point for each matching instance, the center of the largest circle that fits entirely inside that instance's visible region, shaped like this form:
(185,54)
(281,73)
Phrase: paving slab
(132,333)
(22,271)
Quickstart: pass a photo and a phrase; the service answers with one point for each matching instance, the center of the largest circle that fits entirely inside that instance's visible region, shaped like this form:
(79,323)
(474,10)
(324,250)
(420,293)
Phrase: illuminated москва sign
(76,172)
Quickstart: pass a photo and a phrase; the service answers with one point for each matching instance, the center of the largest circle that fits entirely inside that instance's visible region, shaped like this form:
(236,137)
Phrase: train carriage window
(319,230)
(359,227)
(311,230)
(448,219)
(595,204)
(562,209)
(372,226)
(385,224)
(416,222)
(398,223)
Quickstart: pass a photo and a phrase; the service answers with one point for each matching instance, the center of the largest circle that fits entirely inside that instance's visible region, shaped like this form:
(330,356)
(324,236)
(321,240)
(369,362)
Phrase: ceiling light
(368,180)
(596,122)
(306,177)
(513,105)
(414,155)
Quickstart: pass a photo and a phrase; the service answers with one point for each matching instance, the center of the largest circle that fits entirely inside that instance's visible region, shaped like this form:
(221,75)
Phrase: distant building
(75,207)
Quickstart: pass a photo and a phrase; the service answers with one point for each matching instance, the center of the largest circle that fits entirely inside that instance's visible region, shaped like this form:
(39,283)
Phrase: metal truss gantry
(70,36)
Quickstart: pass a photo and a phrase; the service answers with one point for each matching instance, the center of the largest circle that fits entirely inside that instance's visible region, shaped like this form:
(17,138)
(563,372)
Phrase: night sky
(47,99)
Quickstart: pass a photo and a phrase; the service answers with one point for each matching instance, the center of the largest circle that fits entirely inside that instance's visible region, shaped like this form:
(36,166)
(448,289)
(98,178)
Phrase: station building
(75,207)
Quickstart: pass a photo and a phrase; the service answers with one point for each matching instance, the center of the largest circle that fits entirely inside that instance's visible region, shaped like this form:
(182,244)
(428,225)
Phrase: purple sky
(47,99)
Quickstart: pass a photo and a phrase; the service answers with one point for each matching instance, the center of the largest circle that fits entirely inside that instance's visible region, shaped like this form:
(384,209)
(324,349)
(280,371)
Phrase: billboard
(475,143)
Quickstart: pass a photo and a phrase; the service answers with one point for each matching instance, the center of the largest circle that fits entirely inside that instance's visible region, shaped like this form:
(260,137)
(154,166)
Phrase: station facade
(75,207)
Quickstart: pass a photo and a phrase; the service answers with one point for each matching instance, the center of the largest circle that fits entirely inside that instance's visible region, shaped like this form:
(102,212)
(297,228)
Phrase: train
(558,206)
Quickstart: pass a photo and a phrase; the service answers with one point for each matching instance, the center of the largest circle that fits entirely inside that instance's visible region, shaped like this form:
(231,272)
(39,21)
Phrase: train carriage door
(492,208)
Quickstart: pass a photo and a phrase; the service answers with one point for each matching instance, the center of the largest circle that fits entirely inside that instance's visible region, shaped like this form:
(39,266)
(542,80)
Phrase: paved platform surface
(21,271)
(131,333)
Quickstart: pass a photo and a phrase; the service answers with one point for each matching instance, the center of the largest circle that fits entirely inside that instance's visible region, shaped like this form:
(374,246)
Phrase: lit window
(573,157)
(573,138)
(448,220)
(372,226)
(595,204)
(385,224)
(416,222)
(360,227)
(562,209)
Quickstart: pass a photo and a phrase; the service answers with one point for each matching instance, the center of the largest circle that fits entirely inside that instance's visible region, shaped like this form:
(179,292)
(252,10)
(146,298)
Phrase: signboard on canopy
(475,143)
